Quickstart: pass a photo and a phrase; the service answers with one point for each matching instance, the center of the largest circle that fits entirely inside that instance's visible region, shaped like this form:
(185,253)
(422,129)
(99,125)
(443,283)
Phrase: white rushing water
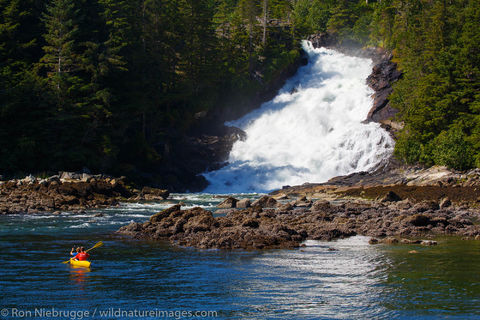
(310,132)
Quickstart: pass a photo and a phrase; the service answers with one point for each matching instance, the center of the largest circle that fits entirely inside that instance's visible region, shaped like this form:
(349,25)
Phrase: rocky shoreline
(284,223)
(69,191)
(394,204)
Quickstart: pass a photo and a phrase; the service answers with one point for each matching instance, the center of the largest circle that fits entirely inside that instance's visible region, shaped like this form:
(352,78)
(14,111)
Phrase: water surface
(344,279)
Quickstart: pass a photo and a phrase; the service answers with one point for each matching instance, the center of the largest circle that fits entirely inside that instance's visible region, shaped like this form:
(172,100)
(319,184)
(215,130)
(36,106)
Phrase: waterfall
(310,132)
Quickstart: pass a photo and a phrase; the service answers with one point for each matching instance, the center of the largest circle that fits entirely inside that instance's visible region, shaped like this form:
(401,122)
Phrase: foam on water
(310,132)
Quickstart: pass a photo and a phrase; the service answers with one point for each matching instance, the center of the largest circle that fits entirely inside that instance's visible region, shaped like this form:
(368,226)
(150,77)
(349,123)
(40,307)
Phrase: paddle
(98,244)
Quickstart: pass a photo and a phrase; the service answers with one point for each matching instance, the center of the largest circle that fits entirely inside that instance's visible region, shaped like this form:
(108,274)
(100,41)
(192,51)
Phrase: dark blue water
(355,281)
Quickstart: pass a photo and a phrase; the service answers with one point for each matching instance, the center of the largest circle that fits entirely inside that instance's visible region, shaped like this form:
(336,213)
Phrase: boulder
(228,203)
(419,220)
(163,214)
(243,203)
(390,197)
(445,203)
(152,194)
(265,202)
(390,240)
(428,243)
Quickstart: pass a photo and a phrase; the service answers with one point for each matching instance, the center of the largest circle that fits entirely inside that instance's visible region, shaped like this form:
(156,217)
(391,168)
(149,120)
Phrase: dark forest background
(110,85)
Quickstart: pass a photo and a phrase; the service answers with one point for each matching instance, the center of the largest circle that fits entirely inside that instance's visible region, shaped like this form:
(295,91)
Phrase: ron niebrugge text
(111,312)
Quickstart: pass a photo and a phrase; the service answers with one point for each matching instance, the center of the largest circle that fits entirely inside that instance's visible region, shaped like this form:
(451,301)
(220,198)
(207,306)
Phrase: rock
(426,206)
(445,203)
(390,240)
(165,213)
(391,197)
(419,220)
(86,177)
(251,223)
(285,207)
(66,176)
(322,40)
(373,241)
(383,75)
(321,205)
(224,211)
(302,199)
(243,203)
(413,251)
(228,203)
(303,203)
(265,202)
(477,237)
(152,194)
(29,179)
(408,241)
(428,243)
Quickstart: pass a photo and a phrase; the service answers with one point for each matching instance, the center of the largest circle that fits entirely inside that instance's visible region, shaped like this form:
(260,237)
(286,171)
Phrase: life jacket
(82,256)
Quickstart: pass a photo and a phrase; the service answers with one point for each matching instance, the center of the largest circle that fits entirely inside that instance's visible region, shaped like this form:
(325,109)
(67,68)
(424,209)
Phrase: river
(344,279)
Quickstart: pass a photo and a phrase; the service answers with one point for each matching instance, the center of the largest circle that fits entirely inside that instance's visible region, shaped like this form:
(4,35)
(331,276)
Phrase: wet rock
(373,241)
(428,243)
(265,202)
(445,203)
(409,241)
(153,194)
(390,240)
(165,213)
(419,220)
(243,203)
(228,203)
(391,197)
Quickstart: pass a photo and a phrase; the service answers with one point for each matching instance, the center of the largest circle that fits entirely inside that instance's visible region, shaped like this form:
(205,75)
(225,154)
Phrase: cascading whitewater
(310,132)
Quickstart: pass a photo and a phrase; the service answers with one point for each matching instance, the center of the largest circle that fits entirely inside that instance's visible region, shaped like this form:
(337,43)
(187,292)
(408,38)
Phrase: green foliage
(450,148)
(111,85)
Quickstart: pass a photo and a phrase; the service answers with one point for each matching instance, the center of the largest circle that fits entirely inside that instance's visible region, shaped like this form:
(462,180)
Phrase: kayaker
(74,252)
(82,255)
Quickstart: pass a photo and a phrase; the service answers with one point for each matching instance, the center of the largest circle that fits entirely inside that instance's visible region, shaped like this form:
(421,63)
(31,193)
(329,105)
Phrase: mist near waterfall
(310,132)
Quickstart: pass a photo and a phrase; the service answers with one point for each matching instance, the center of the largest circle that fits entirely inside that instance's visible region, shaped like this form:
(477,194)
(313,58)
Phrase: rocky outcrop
(286,226)
(228,203)
(383,75)
(68,191)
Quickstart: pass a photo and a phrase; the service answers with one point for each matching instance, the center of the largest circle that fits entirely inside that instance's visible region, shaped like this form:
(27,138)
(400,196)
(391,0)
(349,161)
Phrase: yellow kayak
(76,263)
